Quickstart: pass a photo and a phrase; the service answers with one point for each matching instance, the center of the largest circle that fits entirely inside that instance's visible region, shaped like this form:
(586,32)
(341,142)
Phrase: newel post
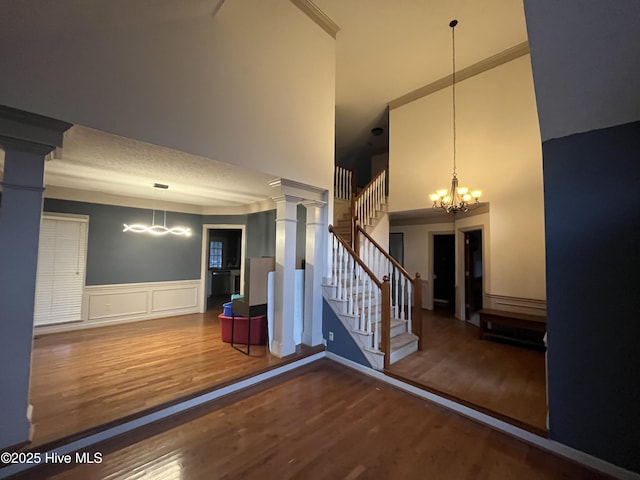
(386,321)
(416,321)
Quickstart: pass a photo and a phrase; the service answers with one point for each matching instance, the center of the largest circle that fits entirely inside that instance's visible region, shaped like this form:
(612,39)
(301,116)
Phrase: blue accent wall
(592,223)
(261,234)
(115,257)
(343,344)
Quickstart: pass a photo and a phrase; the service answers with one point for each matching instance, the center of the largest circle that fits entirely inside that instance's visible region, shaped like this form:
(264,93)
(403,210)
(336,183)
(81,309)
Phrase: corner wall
(593,255)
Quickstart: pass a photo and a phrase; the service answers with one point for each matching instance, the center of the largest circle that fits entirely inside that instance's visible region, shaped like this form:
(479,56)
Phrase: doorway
(222,264)
(444,272)
(396,247)
(473,275)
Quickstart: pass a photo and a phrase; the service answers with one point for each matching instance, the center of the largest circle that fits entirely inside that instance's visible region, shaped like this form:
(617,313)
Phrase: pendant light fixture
(158,230)
(457,199)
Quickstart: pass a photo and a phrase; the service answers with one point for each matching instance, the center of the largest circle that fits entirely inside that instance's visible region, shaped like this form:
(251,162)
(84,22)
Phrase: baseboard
(499,425)
(85,442)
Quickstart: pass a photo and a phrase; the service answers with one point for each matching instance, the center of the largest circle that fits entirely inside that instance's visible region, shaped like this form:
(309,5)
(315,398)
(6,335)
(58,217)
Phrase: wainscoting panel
(108,304)
(515,304)
(166,299)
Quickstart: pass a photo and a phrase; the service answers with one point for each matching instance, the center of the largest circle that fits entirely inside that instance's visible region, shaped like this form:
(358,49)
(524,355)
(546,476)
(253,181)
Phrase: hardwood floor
(88,378)
(507,381)
(321,421)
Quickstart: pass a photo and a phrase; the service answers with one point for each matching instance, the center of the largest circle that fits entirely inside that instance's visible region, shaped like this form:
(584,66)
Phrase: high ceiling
(387,49)
(384,50)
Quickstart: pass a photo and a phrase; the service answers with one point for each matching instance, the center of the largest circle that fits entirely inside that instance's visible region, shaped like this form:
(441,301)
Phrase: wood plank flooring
(321,421)
(87,378)
(508,380)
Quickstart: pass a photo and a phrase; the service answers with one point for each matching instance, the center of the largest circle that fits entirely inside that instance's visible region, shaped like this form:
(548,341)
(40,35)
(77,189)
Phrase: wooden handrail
(416,282)
(379,174)
(356,257)
(393,261)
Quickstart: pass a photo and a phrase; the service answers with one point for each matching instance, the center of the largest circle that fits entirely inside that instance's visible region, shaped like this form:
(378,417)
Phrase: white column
(314,268)
(284,282)
(25,139)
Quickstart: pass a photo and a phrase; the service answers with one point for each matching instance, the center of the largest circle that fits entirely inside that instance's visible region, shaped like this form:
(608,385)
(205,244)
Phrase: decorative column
(284,282)
(314,265)
(25,139)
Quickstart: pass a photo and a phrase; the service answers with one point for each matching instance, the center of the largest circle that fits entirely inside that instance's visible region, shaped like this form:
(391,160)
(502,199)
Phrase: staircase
(368,290)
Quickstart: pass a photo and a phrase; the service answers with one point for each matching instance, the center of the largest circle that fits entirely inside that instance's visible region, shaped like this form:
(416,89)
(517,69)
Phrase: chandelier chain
(453,93)
(457,198)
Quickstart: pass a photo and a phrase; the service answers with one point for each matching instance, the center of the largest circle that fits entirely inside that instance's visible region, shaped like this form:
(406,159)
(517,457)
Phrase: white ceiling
(105,163)
(384,50)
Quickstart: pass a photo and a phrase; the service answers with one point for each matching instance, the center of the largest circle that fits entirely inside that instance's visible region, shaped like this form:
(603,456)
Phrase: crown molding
(320,18)
(494,61)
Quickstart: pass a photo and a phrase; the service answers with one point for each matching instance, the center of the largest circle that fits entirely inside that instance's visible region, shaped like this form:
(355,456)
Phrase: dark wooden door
(444,271)
(473,269)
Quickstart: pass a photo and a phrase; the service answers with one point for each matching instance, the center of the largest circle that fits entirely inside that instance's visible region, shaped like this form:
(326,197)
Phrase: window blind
(62,258)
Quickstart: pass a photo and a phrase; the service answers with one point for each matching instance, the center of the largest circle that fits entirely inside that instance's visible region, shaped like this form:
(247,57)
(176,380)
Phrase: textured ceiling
(100,162)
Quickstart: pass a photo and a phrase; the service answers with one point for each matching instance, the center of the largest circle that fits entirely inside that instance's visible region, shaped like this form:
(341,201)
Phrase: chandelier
(158,230)
(457,199)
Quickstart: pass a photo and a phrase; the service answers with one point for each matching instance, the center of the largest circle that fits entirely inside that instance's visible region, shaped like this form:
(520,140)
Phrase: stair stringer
(402,342)
(362,339)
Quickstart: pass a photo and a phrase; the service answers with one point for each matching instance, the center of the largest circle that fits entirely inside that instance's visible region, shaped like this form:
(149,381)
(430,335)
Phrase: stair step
(402,346)
(402,340)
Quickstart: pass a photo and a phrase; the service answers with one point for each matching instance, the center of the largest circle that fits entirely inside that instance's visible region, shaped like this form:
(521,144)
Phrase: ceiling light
(158,230)
(457,199)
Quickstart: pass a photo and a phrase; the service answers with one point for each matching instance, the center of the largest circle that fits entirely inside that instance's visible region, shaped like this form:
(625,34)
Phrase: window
(62,257)
(215,254)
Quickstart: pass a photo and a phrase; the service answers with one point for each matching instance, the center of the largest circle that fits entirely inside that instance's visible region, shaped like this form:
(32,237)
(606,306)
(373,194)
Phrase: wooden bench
(513,326)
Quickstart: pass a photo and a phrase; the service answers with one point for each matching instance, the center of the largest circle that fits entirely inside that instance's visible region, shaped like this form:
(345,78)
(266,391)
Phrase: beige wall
(498,150)
(253,86)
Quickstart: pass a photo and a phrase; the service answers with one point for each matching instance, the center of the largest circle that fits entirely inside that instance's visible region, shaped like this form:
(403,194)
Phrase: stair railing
(368,201)
(344,183)
(406,291)
(367,298)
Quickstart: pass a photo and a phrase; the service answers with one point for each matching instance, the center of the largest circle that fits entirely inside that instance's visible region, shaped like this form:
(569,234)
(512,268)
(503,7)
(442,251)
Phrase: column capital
(16,144)
(313,203)
(30,132)
(284,186)
(286,199)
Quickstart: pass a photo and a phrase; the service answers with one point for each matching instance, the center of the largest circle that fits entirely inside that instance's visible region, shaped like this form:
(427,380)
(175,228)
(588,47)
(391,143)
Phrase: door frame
(204,265)
(431,240)
(460,267)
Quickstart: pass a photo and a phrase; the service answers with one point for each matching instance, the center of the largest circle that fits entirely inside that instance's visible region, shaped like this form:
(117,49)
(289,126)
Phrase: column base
(312,340)
(282,349)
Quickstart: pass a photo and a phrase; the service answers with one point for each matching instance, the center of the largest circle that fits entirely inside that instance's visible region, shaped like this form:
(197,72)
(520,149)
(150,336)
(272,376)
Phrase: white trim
(145,420)
(320,18)
(76,195)
(515,304)
(506,428)
(482,66)
(518,433)
(204,265)
(131,302)
(479,223)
